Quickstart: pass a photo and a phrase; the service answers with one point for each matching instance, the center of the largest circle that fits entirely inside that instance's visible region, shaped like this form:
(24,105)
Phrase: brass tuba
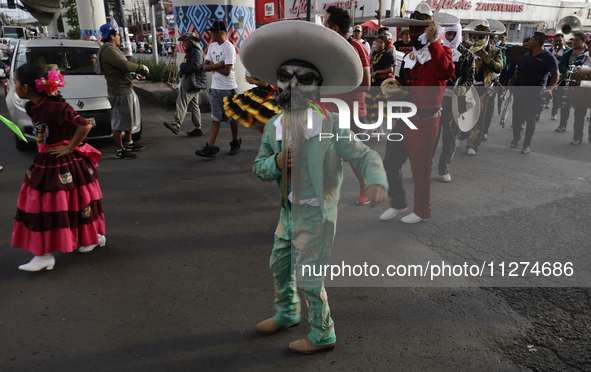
(569,24)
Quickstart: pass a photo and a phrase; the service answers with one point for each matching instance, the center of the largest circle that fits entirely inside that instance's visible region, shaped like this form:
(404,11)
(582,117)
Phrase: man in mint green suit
(313,227)
(310,189)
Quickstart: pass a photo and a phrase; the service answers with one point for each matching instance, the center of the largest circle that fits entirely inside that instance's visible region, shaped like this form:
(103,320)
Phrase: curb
(160,93)
(164,95)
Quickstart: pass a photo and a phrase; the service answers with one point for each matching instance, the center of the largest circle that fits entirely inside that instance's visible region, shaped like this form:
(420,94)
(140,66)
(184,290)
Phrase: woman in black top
(382,67)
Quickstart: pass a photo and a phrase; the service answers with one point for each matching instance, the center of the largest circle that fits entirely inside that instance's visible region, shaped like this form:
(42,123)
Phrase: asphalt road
(184,276)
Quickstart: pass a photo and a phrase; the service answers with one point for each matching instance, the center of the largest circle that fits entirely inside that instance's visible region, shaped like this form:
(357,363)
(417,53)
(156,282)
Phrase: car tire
(22,145)
(138,136)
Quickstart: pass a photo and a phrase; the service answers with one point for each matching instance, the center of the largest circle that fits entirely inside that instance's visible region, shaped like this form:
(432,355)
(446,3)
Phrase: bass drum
(579,86)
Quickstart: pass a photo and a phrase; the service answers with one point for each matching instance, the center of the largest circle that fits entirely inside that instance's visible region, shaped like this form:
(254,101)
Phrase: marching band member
(488,60)
(426,70)
(464,72)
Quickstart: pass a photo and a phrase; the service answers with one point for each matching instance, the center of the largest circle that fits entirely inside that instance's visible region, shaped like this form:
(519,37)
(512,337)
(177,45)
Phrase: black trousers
(395,158)
(449,133)
(564,113)
(557,102)
(490,110)
(580,113)
(526,105)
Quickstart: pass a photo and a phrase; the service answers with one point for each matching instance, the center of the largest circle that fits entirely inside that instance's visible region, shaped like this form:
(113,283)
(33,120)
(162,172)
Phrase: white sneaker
(471,152)
(446,177)
(413,218)
(88,248)
(458,144)
(391,213)
(47,261)
(553,117)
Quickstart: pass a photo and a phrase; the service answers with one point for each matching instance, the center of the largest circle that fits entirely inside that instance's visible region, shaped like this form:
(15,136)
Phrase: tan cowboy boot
(305,346)
(270,326)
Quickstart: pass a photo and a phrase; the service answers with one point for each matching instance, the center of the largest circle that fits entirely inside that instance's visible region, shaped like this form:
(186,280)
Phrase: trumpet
(562,78)
(477,46)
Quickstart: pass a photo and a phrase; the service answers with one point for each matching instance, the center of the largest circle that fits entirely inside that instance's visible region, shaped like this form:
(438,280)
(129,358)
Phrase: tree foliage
(71,16)
(60,24)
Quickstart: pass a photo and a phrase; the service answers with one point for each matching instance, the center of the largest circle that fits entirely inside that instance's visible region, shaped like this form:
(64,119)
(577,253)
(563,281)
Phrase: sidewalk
(164,94)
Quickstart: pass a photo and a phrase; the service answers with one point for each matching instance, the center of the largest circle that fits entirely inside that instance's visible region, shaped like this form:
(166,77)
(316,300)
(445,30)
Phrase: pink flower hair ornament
(51,83)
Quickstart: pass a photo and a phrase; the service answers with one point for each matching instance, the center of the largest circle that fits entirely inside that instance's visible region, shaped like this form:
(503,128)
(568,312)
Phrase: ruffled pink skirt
(59,205)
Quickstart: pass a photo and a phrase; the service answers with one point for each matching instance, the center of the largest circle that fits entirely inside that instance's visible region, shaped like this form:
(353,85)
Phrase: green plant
(71,16)
(60,24)
(158,71)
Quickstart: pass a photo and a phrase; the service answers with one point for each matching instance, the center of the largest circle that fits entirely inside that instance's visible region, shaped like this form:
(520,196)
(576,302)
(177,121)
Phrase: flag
(14,128)
(402,9)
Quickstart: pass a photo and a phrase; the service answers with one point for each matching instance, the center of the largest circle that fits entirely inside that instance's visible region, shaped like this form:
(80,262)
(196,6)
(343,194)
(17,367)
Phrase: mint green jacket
(324,162)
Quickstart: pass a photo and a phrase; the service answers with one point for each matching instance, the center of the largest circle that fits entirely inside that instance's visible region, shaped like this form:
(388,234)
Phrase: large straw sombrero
(442,19)
(267,48)
(495,27)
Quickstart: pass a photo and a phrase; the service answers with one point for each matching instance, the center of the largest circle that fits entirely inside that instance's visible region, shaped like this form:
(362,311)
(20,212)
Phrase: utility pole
(154,39)
(145,23)
(163,14)
(380,15)
(126,42)
(353,8)
(107,12)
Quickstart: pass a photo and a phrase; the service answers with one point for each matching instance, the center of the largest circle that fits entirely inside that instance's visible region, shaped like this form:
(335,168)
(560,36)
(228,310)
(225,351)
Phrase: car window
(68,60)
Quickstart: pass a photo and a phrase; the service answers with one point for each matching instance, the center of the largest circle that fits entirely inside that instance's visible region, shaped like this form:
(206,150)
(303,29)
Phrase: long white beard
(293,125)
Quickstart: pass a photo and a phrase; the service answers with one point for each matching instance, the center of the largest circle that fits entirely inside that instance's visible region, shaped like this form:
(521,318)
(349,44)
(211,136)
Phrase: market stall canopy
(373,24)
(170,33)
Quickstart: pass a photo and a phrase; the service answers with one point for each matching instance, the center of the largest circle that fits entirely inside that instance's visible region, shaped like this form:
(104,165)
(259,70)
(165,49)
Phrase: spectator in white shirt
(220,59)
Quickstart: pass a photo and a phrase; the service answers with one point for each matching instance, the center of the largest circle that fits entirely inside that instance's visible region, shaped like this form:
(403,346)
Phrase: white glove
(144,70)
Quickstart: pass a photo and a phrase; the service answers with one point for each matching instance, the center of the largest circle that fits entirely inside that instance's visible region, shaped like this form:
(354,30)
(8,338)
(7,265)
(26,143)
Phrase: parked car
(4,47)
(85,91)
(11,44)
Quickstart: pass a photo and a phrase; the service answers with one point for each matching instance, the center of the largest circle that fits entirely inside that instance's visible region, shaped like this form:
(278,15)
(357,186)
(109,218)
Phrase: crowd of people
(437,71)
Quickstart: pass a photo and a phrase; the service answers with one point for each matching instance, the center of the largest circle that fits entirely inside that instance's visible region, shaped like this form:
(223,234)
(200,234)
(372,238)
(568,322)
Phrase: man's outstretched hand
(376,194)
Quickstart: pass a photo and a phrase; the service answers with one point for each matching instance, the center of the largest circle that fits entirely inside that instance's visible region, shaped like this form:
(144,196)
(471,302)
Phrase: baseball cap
(92,38)
(358,28)
(218,26)
(105,29)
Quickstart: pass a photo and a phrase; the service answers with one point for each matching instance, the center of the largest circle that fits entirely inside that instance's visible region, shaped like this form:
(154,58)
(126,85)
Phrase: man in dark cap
(192,80)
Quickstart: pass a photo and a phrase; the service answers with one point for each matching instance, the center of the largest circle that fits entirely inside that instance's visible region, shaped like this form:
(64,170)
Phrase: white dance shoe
(413,218)
(391,213)
(88,248)
(47,261)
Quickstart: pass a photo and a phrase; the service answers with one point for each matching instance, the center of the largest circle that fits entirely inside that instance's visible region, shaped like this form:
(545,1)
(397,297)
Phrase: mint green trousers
(312,242)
